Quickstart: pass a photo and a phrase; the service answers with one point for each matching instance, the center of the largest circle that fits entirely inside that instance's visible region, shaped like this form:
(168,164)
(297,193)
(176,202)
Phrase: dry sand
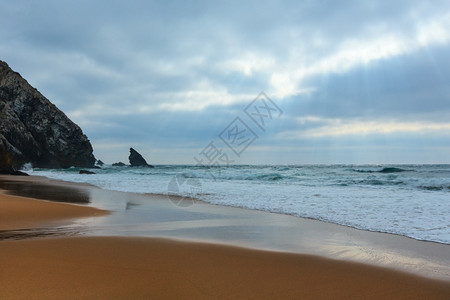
(138,268)
(150,268)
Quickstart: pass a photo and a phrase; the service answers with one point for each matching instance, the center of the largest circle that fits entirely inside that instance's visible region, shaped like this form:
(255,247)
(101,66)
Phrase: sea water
(409,200)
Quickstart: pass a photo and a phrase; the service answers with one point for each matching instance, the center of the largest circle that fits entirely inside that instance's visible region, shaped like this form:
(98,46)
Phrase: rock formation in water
(136,160)
(118,164)
(33,130)
(86,172)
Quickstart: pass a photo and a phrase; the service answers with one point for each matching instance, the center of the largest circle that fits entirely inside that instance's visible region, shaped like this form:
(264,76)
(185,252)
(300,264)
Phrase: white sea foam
(411,200)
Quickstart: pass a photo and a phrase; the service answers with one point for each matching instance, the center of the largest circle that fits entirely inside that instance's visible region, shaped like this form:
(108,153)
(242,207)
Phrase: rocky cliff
(34,130)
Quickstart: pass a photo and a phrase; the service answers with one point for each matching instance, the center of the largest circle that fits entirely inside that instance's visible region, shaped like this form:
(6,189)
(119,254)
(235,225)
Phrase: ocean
(408,200)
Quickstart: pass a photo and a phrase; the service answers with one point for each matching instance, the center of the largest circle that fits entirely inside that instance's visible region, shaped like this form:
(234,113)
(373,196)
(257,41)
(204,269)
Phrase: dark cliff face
(34,130)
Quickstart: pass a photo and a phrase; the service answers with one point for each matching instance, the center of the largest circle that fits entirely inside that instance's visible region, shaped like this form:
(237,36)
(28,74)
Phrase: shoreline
(59,182)
(241,269)
(227,225)
(313,219)
(337,223)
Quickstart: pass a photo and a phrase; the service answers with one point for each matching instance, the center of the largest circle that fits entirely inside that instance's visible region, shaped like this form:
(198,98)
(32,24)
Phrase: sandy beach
(96,267)
(23,213)
(118,268)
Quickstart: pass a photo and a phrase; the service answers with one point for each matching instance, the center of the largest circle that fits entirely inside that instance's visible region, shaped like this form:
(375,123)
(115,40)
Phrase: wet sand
(131,267)
(22,213)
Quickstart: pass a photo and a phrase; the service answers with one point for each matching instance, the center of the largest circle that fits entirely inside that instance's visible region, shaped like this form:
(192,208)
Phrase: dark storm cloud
(415,86)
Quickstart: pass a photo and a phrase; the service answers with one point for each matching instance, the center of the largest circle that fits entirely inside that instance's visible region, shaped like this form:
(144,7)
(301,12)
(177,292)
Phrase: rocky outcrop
(6,161)
(6,164)
(86,172)
(13,172)
(34,130)
(118,164)
(136,160)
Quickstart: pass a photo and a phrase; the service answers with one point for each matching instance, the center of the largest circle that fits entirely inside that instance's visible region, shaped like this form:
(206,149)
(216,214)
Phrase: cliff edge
(33,130)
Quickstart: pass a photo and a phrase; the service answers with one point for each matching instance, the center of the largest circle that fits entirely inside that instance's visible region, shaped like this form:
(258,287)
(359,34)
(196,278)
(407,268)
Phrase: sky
(334,82)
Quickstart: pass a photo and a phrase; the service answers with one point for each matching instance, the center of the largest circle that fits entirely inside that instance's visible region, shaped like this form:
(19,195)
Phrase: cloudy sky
(356,81)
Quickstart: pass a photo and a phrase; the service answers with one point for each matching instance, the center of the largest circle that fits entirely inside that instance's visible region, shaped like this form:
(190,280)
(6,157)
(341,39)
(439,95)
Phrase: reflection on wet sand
(45,191)
(49,222)
(22,234)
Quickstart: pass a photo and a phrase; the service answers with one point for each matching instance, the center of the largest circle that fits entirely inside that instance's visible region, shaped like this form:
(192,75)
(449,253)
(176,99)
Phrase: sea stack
(33,130)
(136,160)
